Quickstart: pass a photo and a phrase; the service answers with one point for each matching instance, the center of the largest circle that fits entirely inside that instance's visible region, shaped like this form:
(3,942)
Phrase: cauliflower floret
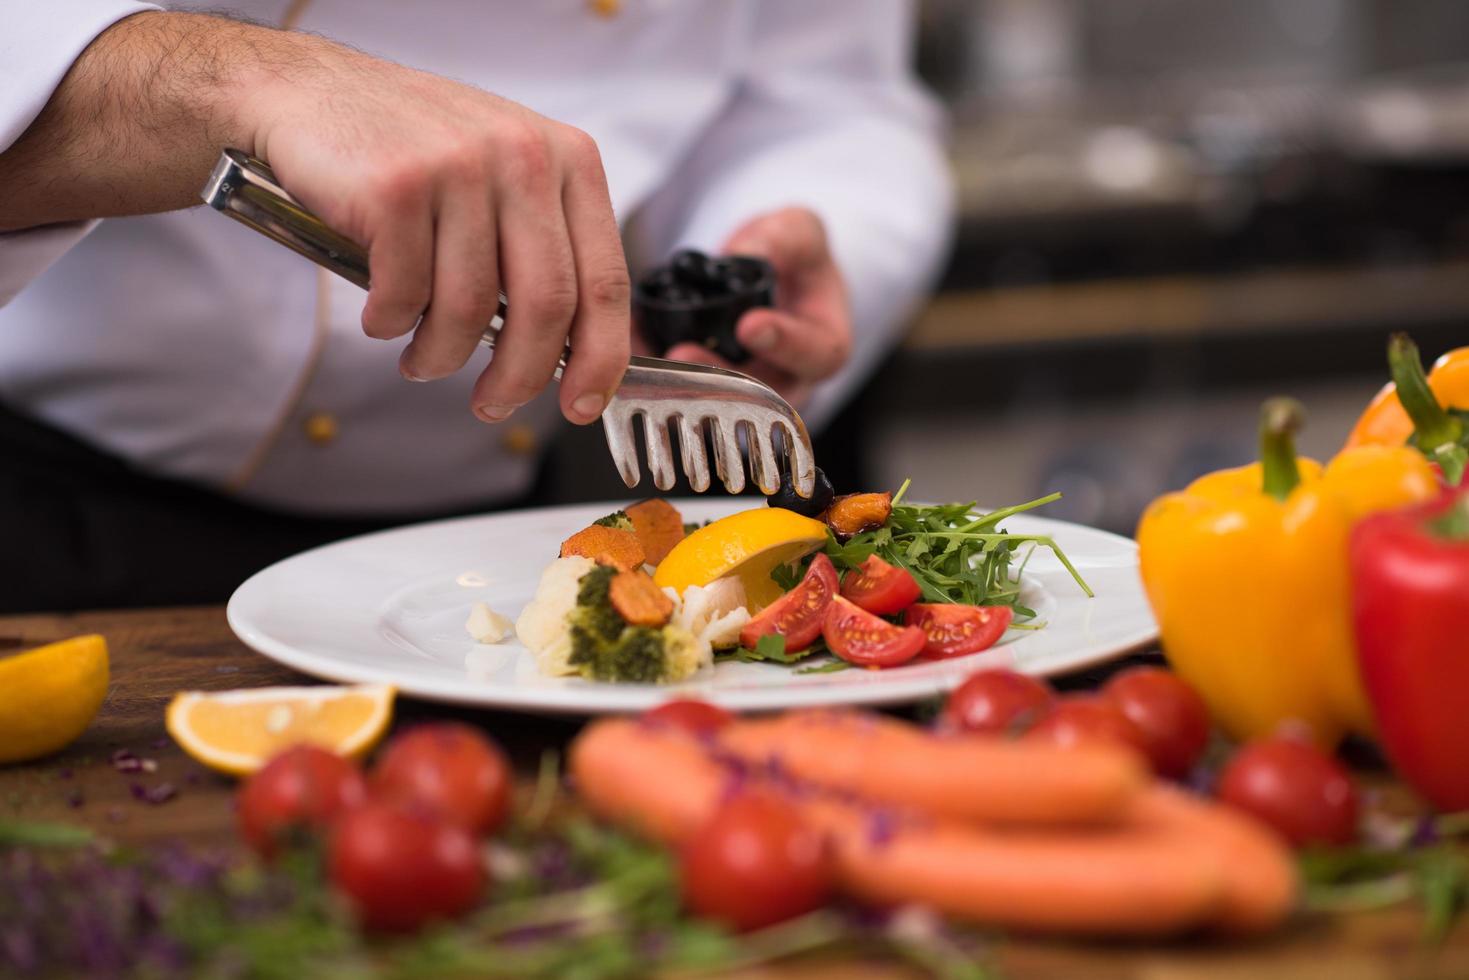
(714,612)
(486,625)
(543,626)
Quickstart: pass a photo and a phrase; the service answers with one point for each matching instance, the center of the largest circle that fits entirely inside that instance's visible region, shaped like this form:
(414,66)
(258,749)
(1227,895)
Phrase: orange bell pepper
(1430,412)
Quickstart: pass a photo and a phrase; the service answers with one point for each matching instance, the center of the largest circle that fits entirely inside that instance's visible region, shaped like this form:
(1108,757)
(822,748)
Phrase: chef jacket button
(605,8)
(320,428)
(520,440)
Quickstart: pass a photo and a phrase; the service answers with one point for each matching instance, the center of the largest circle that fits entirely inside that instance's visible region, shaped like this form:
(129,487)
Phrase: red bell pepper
(1410,599)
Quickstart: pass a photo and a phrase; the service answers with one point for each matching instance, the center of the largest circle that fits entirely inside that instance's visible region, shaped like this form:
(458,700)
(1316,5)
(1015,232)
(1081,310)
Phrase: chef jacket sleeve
(38,43)
(826,115)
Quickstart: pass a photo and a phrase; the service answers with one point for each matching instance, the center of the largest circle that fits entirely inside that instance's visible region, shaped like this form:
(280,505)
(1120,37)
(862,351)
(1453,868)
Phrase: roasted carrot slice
(638,600)
(658,525)
(858,512)
(606,546)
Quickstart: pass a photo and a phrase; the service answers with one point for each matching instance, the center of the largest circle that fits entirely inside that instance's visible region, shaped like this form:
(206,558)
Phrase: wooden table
(155,653)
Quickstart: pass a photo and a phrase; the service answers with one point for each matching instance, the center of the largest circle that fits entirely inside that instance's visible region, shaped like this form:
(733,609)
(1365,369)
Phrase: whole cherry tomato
(449,769)
(754,863)
(861,638)
(1302,792)
(301,788)
(1170,714)
(799,613)
(402,868)
(997,701)
(880,588)
(957,630)
(692,715)
(1087,718)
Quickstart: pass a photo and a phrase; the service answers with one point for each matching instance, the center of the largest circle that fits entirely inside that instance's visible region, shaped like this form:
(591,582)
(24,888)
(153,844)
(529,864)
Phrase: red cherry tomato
(1302,792)
(956,630)
(797,615)
(301,788)
(1170,714)
(1088,719)
(692,715)
(449,769)
(999,702)
(861,638)
(880,588)
(402,868)
(756,862)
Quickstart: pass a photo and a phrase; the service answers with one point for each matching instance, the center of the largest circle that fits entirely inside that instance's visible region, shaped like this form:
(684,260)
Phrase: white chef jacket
(200,350)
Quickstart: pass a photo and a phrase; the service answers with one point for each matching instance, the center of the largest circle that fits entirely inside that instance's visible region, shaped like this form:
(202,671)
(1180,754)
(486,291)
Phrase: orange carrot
(658,525)
(646,779)
(1260,881)
(606,546)
(965,777)
(1126,879)
(637,600)
(1114,881)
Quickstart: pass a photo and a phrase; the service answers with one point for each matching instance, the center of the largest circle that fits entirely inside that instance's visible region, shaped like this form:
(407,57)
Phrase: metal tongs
(662,392)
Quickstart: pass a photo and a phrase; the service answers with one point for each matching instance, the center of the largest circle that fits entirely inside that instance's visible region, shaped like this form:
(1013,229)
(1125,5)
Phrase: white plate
(390,607)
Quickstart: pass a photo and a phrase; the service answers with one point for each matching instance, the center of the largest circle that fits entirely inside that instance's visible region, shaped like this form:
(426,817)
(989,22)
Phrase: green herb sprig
(956,553)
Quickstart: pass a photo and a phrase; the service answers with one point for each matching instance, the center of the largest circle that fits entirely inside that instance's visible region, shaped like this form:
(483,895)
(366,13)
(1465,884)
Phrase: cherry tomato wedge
(690,714)
(304,788)
(1088,719)
(798,614)
(861,638)
(1305,794)
(881,588)
(998,702)
(755,862)
(1170,714)
(449,769)
(402,869)
(955,630)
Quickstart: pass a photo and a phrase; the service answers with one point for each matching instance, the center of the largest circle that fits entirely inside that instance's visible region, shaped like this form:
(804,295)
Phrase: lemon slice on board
(49,695)
(748,545)
(238,731)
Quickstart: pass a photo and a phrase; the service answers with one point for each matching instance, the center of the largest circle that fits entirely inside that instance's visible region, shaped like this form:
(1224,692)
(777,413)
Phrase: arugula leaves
(955,553)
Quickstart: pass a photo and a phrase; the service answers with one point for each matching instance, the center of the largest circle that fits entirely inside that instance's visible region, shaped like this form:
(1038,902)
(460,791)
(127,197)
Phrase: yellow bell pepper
(1246,571)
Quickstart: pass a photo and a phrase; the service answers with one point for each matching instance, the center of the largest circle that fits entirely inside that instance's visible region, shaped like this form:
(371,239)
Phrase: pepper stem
(1280,420)
(1433,426)
(1453,524)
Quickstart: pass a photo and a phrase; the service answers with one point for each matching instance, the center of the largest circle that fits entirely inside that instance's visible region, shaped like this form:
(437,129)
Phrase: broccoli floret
(605,648)
(617,519)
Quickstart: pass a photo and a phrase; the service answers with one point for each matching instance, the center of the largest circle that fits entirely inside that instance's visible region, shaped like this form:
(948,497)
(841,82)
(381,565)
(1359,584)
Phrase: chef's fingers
(538,270)
(601,331)
(400,262)
(791,388)
(808,348)
(793,240)
(466,284)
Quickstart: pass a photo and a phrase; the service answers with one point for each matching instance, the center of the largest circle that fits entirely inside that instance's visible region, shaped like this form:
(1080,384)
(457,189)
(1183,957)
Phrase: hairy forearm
(140,118)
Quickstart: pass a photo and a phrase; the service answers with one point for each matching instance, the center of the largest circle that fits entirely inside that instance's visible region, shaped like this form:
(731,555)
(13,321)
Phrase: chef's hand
(807,337)
(454,192)
(458,194)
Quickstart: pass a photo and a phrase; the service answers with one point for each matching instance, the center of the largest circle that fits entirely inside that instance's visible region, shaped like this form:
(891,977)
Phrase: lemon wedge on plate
(49,695)
(749,545)
(238,731)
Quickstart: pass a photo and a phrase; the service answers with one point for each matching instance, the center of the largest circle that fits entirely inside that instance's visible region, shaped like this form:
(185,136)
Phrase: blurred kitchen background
(1168,210)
